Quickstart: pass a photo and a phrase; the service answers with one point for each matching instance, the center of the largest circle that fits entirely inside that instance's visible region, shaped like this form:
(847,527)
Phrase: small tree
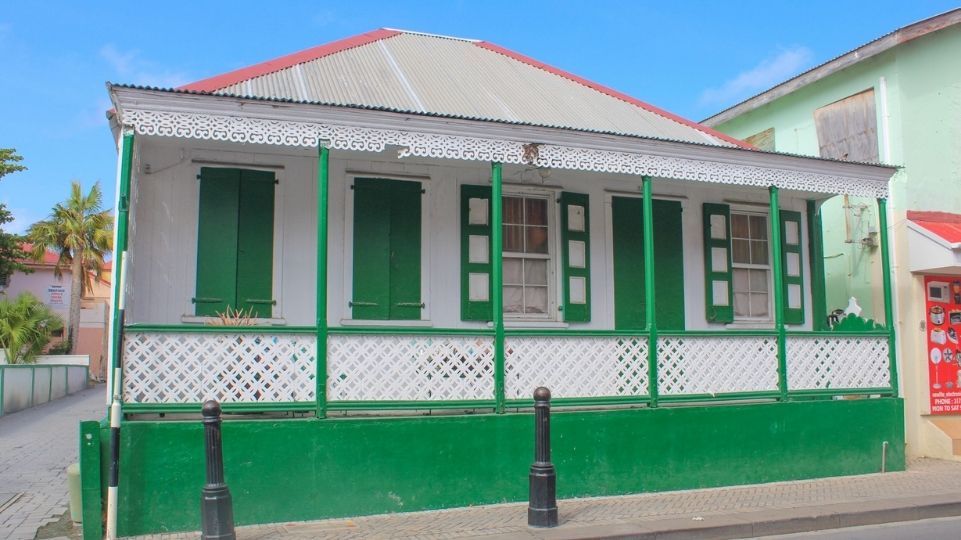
(26,325)
(10,251)
(81,233)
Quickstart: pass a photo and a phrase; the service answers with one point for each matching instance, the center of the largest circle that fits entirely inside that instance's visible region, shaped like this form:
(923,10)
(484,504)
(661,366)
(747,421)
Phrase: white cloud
(131,68)
(766,74)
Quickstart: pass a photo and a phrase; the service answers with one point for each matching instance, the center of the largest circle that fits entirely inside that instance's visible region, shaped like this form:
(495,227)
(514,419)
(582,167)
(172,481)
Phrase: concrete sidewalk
(929,488)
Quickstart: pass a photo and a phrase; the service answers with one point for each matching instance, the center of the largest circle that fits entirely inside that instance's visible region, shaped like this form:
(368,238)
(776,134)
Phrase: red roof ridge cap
(217,82)
(611,92)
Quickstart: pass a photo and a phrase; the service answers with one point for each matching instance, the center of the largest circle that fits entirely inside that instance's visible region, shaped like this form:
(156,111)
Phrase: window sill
(532,324)
(379,322)
(750,325)
(193,319)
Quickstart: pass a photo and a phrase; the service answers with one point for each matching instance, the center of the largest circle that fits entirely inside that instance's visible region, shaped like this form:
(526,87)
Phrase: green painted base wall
(313,469)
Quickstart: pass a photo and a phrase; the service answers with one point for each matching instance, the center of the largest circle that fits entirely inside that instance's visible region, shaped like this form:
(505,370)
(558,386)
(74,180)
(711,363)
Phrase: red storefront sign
(943,326)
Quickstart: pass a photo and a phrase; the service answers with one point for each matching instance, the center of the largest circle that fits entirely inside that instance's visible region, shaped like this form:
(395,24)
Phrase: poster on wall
(943,325)
(55,295)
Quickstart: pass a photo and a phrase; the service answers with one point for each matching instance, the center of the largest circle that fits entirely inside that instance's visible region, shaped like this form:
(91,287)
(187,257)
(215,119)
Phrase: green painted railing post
(497,283)
(323,177)
(120,252)
(1,389)
(647,220)
(889,321)
(775,242)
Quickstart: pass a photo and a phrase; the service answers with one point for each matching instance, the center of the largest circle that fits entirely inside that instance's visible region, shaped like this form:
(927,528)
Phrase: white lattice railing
(716,364)
(410,367)
(582,366)
(186,367)
(825,362)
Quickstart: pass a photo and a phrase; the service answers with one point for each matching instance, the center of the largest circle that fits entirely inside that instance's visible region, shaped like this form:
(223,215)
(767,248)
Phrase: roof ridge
(428,34)
(217,82)
(612,93)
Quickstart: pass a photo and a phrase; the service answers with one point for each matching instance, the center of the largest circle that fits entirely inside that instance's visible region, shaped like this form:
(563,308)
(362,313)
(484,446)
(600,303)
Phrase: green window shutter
(371,293)
(576,260)
(719,293)
(217,233)
(791,266)
(475,243)
(405,250)
(255,243)
(387,250)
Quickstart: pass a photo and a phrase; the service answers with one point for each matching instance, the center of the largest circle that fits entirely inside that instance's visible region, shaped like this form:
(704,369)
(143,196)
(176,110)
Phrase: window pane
(535,272)
(739,226)
(759,252)
(758,280)
(514,238)
(794,296)
(513,210)
(718,259)
(578,290)
(477,249)
(793,264)
(575,218)
(741,306)
(536,211)
(741,280)
(512,272)
(741,251)
(758,305)
(513,300)
(536,240)
(477,214)
(478,287)
(759,227)
(719,293)
(577,255)
(536,299)
(718,227)
(791,235)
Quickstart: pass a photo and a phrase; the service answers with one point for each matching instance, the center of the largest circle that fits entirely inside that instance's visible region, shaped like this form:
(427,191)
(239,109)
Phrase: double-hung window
(527,257)
(751,266)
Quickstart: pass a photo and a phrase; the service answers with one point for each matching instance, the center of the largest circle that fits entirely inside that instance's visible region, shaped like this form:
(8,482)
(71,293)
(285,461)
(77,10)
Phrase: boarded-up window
(763,140)
(848,129)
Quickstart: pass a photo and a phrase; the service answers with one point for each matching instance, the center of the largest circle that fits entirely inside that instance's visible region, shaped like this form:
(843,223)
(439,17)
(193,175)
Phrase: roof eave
(166,101)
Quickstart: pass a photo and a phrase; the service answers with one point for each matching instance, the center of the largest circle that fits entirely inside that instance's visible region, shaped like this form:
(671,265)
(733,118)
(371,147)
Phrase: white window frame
(768,268)
(551,256)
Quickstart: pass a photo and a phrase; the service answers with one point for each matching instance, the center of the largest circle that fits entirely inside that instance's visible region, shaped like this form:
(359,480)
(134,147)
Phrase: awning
(934,242)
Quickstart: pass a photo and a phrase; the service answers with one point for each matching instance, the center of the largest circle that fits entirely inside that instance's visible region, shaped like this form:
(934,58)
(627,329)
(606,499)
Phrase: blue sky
(692,58)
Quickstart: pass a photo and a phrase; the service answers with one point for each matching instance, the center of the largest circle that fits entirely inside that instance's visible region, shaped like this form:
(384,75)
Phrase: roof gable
(421,73)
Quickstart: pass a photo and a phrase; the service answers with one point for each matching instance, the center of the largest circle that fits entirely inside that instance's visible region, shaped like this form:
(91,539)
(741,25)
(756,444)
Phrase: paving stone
(36,447)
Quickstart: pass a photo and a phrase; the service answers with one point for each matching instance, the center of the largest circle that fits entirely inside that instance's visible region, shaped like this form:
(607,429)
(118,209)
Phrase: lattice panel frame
(247,129)
(714,365)
(171,367)
(838,362)
(410,368)
(576,367)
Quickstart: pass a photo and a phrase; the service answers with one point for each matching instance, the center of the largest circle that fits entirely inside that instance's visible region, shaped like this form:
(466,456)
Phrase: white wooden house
(472,224)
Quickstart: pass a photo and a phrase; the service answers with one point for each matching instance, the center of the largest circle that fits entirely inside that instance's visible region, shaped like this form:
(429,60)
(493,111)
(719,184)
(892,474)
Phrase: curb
(751,524)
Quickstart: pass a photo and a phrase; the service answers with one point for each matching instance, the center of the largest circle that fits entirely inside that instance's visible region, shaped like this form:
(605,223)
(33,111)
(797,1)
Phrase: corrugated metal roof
(421,73)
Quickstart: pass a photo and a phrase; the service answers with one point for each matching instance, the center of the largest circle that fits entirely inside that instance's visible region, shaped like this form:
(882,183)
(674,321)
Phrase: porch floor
(928,488)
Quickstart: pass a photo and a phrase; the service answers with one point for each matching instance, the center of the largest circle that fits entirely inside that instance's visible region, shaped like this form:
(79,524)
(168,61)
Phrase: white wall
(164,225)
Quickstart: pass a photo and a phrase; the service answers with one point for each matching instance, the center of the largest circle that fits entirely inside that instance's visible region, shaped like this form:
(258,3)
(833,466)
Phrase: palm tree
(25,327)
(81,233)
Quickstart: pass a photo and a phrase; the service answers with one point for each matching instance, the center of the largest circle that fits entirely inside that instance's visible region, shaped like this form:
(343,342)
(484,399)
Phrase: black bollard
(542,508)
(216,509)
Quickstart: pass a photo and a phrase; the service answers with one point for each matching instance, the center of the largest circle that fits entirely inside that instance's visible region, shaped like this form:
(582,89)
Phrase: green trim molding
(303,469)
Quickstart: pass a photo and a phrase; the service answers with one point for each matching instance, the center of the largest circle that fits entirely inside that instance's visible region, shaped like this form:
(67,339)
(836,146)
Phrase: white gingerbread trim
(432,145)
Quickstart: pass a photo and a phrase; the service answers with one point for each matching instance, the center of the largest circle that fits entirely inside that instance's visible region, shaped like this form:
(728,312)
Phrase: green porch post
(497,283)
(775,242)
(120,253)
(649,312)
(888,294)
(323,176)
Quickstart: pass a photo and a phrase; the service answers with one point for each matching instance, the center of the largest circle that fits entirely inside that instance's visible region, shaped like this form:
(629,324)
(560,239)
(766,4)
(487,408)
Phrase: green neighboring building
(895,100)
